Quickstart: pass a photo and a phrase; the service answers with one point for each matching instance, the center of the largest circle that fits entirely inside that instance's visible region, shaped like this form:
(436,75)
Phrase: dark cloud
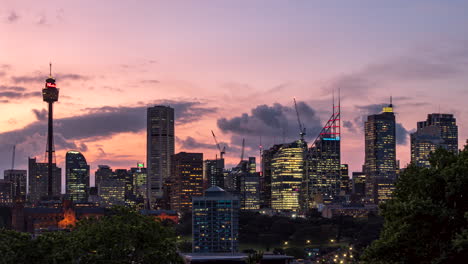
(12,17)
(96,123)
(420,65)
(12,88)
(41,78)
(274,124)
(17,95)
(191,143)
(350,126)
(41,115)
(401,134)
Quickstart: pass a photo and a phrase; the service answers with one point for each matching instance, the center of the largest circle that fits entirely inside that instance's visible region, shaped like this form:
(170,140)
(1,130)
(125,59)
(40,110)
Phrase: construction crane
(302,129)
(243,147)
(221,151)
(13,158)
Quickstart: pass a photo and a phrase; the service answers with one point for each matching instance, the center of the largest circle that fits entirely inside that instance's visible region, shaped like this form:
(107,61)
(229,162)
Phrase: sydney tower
(50,95)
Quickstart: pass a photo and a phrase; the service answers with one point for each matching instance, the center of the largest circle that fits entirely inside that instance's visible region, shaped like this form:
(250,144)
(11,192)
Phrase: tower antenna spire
(50,69)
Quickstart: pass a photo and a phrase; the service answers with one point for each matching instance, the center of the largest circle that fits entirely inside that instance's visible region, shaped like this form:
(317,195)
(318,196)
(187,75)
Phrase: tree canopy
(122,237)
(426,221)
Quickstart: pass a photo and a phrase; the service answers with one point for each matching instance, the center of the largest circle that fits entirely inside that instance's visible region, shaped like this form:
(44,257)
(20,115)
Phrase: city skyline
(212,92)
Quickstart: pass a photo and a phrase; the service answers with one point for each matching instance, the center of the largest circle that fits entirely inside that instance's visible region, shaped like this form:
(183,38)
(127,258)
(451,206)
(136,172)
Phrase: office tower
(50,95)
(160,148)
(214,172)
(380,156)
(252,165)
(187,180)
(323,174)
(103,172)
(267,158)
(76,176)
(39,181)
(287,172)
(344,180)
(139,176)
(250,191)
(215,222)
(6,190)
(438,131)
(112,186)
(18,180)
(359,184)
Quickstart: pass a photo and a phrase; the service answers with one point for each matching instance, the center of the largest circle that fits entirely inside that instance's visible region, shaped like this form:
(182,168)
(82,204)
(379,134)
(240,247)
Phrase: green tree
(125,236)
(425,221)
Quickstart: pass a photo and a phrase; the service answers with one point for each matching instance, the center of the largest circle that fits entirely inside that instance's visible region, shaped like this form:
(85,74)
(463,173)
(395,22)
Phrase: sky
(233,67)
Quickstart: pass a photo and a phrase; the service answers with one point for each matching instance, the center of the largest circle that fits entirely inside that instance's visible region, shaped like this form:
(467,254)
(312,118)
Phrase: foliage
(426,221)
(123,237)
(254,257)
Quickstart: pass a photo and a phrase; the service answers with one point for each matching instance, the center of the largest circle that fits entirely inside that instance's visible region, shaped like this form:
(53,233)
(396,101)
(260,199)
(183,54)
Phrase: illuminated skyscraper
(250,191)
(160,148)
(380,164)
(215,222)
(76,176)
(345,182)
(111,186)
(323,174)
(18,180)
(287,172)
(187,180)
(267,158)
(214,172)
(39,181)
(438,131)
(139,180)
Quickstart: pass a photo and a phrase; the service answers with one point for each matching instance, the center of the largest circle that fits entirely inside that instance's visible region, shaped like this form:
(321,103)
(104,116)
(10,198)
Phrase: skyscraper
(187,180)
(39,181)
(76,176)
(215,222)
(214,172)
(287,172)
(438,131)
(323,175)
(111,186)
(380,152)
(18,180)
(160,148)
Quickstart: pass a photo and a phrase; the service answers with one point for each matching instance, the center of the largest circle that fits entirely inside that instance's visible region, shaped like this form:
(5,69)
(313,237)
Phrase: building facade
(380,164)
(438,131)
(160,148)
(215,222)
(38,181)
(214,172)
(287,173)
(18,180)
(187,180)
(76,176)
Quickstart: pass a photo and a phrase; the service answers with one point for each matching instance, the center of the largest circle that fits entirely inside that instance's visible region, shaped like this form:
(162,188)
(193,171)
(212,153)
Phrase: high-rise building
(160,148)
(438,131)
(39,181)
(359,184)
(18,180)
(380,164)
(250,191)
(215,222)
(345,179)
(214,172)
(287,172)
(139,176)
(323,173)
(267,158)
(6,189)
(112,186)
(187,180)
(76,176)
(103,172)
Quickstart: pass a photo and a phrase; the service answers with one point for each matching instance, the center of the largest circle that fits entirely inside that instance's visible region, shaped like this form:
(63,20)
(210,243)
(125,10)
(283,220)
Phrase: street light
(308,241)
(285,243)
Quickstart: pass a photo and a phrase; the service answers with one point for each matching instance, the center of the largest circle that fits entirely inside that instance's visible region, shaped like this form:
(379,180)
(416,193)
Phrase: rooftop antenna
(50,69)
(13,157)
